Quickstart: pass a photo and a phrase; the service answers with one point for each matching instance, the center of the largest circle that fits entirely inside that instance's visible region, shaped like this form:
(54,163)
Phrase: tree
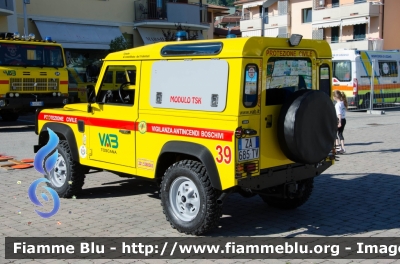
(118,44)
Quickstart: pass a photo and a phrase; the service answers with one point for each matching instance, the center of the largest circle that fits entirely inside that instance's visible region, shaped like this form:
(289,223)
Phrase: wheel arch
(174,151)
(63,132)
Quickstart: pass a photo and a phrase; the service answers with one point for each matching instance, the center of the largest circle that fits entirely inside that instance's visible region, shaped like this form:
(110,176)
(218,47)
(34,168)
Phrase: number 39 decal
(224,154)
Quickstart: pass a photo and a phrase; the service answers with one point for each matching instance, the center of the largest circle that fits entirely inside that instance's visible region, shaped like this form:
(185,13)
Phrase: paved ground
(359,196)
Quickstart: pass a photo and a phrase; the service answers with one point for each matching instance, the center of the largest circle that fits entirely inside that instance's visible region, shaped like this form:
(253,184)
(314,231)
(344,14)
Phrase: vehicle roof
(35,42)
(234,47)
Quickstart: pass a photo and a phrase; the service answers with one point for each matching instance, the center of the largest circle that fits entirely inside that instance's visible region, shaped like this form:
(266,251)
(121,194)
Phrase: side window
(108,77)
(342,70)
(324,79)
(121,91)
(120,77)
(388,68)
(250,91)
(285,76)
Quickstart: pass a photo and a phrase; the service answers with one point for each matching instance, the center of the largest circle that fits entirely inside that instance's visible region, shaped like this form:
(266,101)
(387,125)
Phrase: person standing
(340,107)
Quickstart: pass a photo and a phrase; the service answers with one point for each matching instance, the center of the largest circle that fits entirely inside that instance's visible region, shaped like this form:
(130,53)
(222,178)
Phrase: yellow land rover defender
(32,75)
(203,119)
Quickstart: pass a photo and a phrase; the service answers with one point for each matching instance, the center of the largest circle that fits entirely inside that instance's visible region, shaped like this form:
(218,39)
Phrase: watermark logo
(44,162)
(35,200)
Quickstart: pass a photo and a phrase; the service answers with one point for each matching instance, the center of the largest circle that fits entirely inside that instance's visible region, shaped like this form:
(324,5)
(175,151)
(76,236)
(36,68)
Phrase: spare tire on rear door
(307,126)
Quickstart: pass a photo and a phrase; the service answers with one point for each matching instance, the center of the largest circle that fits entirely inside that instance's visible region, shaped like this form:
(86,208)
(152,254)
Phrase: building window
(334,34)
(307,17)
(335,3)
(359,31)
(359,1)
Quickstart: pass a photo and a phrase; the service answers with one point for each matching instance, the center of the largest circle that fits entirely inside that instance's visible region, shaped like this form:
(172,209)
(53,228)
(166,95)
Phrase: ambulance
(353,71)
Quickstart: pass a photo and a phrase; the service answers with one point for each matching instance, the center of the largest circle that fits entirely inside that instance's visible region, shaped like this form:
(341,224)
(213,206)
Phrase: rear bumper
(23,103)
(283,174)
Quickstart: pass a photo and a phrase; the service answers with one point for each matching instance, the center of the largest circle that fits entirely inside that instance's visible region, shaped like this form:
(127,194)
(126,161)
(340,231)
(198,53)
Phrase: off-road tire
(75,176)
(304,192)
(209,211)
(9,116)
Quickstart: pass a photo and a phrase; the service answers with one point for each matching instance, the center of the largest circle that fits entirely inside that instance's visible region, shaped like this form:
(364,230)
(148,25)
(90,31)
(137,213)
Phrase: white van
(352,74)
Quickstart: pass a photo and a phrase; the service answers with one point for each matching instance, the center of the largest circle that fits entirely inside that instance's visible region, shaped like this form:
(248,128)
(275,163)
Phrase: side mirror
(90,94)
(90,97)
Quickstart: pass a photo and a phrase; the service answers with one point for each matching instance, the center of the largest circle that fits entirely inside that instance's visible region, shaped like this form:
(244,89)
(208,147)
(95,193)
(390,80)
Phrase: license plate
(248,148)
(36,103)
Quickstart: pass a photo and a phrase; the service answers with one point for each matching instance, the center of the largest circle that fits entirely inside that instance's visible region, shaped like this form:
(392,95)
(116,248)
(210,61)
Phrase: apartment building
(345,24)
(7,14)
(85,28)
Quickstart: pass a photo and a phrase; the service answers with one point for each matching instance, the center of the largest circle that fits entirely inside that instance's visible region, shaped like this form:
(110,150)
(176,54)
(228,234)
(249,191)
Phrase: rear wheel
(189,201)
(9,116)
(294,199)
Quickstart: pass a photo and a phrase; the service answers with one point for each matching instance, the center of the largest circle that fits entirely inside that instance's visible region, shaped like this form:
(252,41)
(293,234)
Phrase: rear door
(284,72)
(248,146)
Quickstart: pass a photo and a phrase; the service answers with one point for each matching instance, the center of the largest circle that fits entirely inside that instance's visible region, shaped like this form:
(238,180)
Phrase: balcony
(278,21)
(191,16)
(6,8)
(250,24)
(361,8)
(360,44)
(247,23)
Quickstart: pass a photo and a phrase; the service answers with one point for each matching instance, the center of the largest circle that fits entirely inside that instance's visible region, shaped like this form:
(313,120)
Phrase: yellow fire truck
(32,75)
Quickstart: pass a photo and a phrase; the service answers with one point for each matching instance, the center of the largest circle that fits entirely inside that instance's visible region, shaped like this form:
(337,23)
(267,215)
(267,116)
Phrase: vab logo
(10,72)
(109,140)
(44,162)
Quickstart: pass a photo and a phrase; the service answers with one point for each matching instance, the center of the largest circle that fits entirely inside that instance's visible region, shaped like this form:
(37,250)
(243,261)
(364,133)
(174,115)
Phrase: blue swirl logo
(44,162)
(46,157)
(35,200)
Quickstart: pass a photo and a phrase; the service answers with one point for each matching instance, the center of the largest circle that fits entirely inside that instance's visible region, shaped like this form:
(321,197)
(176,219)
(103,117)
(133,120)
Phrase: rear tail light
(355,86)
(250,167)
(243,169)
(239,132)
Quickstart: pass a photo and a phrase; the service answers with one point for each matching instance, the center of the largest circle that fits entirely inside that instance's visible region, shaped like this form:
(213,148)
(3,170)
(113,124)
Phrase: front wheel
(66,177)
(296,199)
(189,201)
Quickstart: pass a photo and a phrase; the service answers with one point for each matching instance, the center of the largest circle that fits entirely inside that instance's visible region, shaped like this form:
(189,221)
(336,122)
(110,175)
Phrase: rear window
(342,70)
(388,68)
(250,91)
(285,76)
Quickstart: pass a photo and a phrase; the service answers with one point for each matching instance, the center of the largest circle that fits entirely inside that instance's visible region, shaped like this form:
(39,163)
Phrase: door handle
(124,131)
